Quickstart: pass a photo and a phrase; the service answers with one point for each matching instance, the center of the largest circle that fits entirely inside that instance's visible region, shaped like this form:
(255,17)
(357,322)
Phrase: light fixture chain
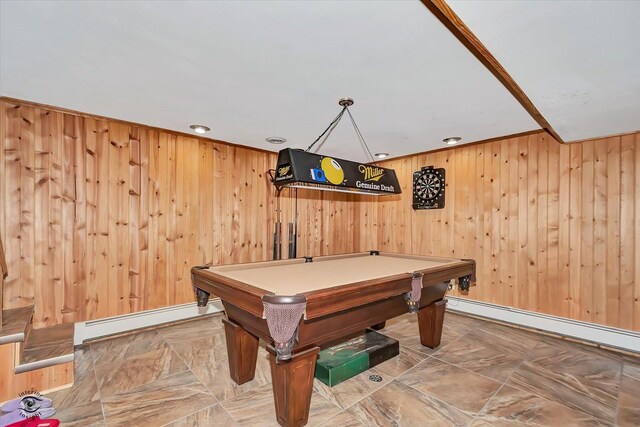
(359,134)
(329,129)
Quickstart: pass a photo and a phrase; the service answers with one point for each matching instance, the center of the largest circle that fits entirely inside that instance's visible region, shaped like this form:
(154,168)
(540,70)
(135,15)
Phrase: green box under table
(342,361)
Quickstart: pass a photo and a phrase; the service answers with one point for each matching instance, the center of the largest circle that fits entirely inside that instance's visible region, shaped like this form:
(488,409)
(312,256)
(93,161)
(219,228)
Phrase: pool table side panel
(245,296)
(325,329)
(321,330)
(326,301)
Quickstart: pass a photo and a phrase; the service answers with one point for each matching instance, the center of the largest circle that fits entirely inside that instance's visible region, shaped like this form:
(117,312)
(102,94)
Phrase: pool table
(298,305)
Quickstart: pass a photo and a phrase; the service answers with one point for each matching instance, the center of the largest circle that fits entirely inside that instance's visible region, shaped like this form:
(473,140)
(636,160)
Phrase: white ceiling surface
(578,61)
(250,70)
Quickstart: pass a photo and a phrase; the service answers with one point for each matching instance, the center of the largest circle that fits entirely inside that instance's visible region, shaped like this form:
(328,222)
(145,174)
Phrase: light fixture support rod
(345,103)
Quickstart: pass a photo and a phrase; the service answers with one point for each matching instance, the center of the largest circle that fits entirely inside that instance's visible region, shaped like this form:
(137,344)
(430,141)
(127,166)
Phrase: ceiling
(251,70)
(578,61)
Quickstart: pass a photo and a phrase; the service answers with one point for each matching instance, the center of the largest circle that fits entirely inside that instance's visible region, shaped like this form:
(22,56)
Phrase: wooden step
(15,324)
(47,347)
(38,359)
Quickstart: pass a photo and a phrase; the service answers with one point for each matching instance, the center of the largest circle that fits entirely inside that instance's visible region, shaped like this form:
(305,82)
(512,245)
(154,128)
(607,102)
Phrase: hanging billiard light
(302,169)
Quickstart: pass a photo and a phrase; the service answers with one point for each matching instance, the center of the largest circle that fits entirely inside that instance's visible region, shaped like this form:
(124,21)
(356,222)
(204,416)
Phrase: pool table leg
(292,382)
(242,349)
(430,320)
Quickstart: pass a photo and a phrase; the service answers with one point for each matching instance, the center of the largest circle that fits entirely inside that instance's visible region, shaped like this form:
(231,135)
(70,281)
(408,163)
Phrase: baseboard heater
(591,332)
(598,334)
(94,329)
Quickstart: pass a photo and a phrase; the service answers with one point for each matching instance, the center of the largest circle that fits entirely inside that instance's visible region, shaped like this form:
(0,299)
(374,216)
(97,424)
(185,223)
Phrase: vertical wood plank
(543,230)
(599,291)
(575,231)
(27,205)
(532,229)
(628,235)
(586,232)
(553,291)
(523,220)
(91,294)
(41,215)
(13,207)
(564,242)
(143,219)
(55,282)
(102,218)
(612,239)
(135,297)
(512,215)
(69,221)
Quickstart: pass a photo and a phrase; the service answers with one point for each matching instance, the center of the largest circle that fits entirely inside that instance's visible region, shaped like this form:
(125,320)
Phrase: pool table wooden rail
(329,300)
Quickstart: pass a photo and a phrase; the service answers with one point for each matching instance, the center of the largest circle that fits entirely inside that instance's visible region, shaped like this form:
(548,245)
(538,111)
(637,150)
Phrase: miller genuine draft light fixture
(302,169)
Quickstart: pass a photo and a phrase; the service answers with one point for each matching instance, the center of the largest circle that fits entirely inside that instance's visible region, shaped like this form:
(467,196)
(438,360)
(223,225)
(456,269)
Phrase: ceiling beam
(448,17)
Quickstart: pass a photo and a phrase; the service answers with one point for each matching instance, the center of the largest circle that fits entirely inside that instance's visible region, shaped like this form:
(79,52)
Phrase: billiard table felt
(296,276)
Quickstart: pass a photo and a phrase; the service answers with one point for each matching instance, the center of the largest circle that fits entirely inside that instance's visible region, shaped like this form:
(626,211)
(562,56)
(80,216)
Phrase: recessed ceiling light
(200,129)
(276,140)
(452,140)
(382,155)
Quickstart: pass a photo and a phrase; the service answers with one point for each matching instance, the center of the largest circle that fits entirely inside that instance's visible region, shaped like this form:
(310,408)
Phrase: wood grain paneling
(101,218)
(554,228)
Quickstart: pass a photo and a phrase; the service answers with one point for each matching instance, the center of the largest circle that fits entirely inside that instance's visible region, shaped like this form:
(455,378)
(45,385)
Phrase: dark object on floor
(375,378)
(345,360)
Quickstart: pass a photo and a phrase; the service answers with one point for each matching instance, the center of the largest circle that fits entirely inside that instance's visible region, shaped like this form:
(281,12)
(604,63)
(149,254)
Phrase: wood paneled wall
(102,218)
(554,228)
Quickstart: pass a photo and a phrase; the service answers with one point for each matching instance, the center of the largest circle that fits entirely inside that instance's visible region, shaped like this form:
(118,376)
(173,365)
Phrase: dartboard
(428,188)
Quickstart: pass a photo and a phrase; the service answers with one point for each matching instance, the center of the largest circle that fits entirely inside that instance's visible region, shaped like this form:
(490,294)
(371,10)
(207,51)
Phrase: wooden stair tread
(48,343)
(15,323)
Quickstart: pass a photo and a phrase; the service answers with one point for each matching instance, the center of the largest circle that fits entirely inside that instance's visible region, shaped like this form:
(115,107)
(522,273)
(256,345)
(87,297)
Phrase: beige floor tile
(479,423)
(526,339)
(159,402)
(140,370)
(458,387)
(193,330)
(400,364)
(352,390)
(488,356)
(594,394)
(84,389)
(215,376)
(343,419)
(256,408)
(462,324)
(397,404)
(79,414)
(114,349)
(214,416)
(511,406)
(128,373)
(629,398)
(561,354)
(202,351)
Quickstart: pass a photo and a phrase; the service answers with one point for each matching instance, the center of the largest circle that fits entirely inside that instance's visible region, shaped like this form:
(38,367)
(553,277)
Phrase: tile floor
(483,374)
